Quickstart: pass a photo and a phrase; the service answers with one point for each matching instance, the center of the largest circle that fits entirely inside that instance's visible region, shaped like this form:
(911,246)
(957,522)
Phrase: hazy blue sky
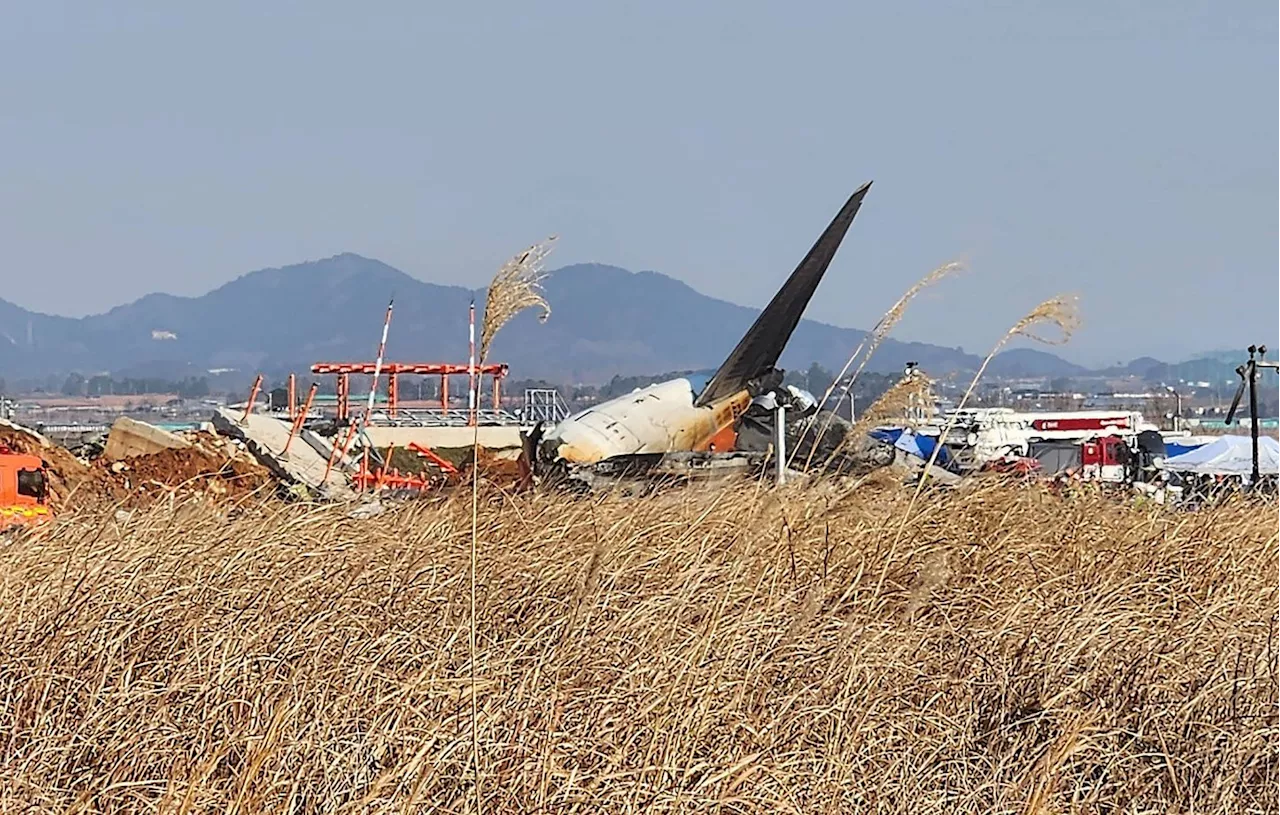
(1124,151)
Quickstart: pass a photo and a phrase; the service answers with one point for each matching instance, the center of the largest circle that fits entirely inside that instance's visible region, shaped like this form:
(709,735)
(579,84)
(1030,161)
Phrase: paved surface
(445,438)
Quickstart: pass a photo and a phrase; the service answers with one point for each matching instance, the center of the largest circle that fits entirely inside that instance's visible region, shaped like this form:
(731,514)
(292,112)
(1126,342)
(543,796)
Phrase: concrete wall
(445,437)
(130,438)
(308,459)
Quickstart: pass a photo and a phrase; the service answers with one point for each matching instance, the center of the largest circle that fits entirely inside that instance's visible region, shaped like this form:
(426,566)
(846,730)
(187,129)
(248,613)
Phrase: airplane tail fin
(759,349)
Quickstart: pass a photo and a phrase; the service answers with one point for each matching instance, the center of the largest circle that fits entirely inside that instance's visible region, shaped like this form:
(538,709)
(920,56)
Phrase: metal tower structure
(543,405)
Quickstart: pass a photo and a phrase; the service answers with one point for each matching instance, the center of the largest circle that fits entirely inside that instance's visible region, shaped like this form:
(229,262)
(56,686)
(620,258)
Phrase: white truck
(992,433)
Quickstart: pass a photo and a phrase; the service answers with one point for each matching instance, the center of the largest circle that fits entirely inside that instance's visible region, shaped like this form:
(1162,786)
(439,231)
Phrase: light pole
(1177,415)
(1248,374)
(781,422)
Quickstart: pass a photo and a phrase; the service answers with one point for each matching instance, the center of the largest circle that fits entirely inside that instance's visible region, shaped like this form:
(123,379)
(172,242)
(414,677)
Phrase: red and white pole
(471,366)
(377,366)
(340,453)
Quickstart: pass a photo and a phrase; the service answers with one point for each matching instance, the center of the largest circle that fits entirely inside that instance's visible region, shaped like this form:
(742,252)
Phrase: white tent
(1228,455)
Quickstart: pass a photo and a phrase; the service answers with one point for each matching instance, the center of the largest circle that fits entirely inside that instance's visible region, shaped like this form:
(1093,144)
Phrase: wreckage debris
(691,415)
(307,459)
(130,438)
(202,468)
(416,469)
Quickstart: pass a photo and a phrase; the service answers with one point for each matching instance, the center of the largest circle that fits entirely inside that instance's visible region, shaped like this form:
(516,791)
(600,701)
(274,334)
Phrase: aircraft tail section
(759,349)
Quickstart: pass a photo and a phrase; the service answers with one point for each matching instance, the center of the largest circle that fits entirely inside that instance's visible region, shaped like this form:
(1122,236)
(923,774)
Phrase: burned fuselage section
(694,420)
(657,434)
(630,434)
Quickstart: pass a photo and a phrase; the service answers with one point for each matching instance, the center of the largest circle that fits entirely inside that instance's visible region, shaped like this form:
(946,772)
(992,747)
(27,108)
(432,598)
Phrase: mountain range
(605,321)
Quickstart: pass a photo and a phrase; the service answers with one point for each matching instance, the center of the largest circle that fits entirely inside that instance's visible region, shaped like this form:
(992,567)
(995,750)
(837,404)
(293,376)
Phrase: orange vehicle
(24,489)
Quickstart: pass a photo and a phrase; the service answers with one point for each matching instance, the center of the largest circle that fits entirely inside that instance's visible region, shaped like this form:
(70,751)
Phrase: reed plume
(516,287)
(911,390)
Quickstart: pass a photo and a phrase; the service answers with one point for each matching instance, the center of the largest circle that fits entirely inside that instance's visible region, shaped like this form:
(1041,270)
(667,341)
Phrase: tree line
(102,385)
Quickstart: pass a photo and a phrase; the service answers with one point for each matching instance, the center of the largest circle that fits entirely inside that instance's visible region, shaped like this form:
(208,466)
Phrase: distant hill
(1137,367)
(1018,363)
(1213,369)
(605,321)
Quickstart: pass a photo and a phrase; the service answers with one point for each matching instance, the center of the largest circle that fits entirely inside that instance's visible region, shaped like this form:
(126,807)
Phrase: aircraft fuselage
(679,415)
(660,418)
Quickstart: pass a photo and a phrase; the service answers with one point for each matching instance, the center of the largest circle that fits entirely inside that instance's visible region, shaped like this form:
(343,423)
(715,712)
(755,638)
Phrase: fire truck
(1107,458)
(24,489)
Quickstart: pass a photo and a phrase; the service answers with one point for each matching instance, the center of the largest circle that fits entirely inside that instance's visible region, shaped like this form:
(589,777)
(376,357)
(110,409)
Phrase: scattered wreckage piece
(648,470)
(129,438)
(305,464)
(692,414)
(834,449)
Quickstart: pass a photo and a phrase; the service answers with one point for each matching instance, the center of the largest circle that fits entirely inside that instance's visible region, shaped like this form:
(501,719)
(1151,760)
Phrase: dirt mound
(214,469)
(212,465)
(493,466)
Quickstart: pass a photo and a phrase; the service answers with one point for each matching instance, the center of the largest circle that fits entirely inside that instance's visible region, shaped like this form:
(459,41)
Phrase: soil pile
(210,466)
(500,466)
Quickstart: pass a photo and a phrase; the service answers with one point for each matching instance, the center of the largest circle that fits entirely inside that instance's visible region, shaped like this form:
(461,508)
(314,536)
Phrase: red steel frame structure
(343,371)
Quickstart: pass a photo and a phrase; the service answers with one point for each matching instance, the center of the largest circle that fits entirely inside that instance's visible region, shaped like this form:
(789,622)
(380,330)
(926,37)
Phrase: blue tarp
(920,446)
(1173,448)
(886,434)
(910,443)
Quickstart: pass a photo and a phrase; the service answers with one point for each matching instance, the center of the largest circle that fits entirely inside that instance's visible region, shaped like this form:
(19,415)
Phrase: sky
(1123,152)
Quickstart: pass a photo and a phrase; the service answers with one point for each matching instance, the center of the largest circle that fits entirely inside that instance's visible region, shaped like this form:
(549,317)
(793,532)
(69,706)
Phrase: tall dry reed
(517,286)
(696,651)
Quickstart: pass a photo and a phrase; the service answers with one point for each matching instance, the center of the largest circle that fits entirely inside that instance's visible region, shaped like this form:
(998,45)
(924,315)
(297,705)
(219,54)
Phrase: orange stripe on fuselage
(720,435)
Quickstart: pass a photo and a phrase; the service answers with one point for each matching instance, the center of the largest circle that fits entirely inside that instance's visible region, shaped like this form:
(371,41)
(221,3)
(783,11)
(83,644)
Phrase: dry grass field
(725,650)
